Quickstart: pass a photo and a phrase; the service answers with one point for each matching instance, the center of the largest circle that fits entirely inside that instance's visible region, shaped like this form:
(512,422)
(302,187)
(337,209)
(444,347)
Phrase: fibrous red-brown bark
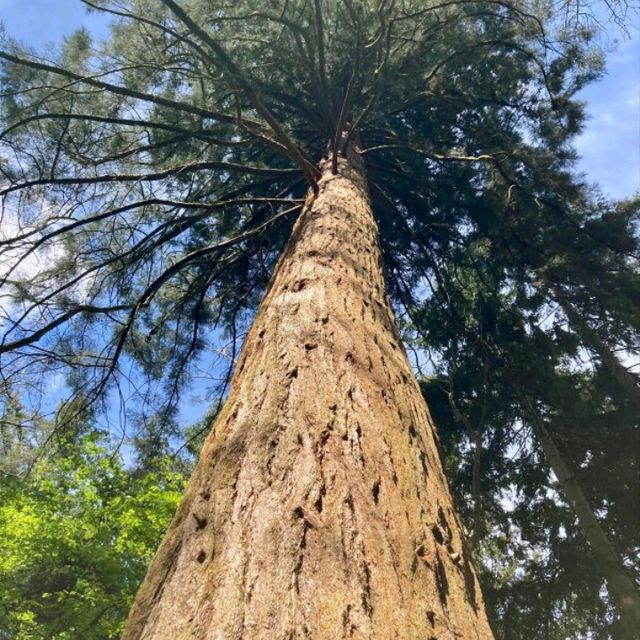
(319,508)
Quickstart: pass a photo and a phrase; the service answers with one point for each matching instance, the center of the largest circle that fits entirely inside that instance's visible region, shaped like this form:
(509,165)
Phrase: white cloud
(20,263)
(29,267)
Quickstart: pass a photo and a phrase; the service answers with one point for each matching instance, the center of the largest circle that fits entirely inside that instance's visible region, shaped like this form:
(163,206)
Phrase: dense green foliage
(159,173)
(77,535)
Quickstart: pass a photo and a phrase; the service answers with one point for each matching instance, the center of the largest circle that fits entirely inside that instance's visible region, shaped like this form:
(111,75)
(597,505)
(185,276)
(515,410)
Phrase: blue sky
(609,146)
(40,22)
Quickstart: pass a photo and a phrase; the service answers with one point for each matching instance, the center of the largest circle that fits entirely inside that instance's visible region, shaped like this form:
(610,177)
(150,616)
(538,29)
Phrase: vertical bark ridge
(319,508)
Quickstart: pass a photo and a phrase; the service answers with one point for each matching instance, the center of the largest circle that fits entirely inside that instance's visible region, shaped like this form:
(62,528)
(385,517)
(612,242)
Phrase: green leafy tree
(77,535)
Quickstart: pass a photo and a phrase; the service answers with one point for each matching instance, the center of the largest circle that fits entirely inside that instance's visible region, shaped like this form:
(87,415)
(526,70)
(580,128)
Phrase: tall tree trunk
(319,508)
(624,592)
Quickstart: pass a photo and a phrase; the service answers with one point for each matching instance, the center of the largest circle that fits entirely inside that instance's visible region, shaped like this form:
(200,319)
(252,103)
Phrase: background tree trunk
(623,591)
(319,508)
